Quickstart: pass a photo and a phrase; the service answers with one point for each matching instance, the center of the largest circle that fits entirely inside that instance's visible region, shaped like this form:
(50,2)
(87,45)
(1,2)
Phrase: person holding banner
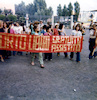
(1,51)
(55,30)
(62,33)
(19,31)
(76,33)
(48,56)
(36,31)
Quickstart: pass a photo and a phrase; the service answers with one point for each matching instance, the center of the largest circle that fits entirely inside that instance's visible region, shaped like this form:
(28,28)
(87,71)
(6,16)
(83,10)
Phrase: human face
(37,29)
(5,25)
(17,24)
(57,26)
(77,28)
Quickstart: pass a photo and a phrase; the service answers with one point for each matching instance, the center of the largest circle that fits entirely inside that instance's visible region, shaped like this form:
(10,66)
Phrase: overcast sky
(85,5)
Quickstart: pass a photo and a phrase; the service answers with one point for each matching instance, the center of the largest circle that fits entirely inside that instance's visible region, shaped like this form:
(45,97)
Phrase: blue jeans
(77,56)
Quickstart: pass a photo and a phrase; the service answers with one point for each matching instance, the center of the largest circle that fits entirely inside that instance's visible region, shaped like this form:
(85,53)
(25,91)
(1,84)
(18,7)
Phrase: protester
(76,33)
(41,25)
(19,31)
(5,26)
(43,30)
(23,31)
(74,25)
(28,30)
(82,29)
(92,41)
(55,30)
(35,31)
(1,51)
(48,56)
(91,25)
(62,33)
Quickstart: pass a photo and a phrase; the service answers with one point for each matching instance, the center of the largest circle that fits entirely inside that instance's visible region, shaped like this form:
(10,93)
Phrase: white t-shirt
(19,29)
(63,32)
(15,29)
(28,30)
(91,32)
(76,33)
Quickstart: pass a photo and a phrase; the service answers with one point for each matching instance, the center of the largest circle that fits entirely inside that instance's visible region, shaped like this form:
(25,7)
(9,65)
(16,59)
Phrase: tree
(12,18)
(59,10)
(8,11)
(2,17)
(64,12)
(0,11)
(30,9)
(76,9)
(40,6)
(20,10)
(70,9)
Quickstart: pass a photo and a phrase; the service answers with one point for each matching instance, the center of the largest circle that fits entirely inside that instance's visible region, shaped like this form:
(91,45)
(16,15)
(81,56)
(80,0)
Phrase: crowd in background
(38,28)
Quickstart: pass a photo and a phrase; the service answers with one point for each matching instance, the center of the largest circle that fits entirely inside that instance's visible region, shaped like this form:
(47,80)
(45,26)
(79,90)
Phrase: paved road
(61,79)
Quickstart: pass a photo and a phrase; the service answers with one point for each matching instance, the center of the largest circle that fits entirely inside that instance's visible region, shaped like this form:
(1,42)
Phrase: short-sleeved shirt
(43,31)
(55,31)
(76,33)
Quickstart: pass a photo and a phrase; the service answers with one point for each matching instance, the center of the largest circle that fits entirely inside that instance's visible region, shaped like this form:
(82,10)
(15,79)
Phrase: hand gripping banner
(46,44)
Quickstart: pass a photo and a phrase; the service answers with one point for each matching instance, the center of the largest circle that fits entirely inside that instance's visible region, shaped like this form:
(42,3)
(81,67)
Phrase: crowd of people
(38,28)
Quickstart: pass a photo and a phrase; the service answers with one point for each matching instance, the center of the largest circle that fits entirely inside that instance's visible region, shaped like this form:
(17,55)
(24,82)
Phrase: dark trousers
(91,46)
(65,54)
(48,56)
(21,53)
(77,56)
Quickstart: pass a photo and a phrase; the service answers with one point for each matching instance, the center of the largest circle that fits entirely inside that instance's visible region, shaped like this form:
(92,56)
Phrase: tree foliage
(76,9)
(12,18)
(20,9)
(70,9)
(67,11)
(64,12)
(0,11)
(39,7)
(2,17)
(59,10)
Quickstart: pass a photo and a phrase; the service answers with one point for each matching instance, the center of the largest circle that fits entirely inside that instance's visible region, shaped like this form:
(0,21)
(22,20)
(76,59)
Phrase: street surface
(61,79)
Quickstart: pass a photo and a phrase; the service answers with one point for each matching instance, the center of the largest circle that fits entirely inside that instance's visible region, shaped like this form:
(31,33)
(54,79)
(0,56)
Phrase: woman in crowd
(19,31)
(93,41)
(1,51)
(55,30)
(76,33)
(62,33)
(5,26)
(35,31)
(48,56)
(82,29)
(43,30)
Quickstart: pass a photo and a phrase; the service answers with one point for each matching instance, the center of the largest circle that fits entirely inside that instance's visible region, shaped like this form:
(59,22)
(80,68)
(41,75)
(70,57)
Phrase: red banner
(34,43)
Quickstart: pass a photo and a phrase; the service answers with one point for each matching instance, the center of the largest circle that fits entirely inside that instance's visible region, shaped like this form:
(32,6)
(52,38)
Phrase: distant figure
(74,25)
(82,29)
(41,25)
(91,25)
